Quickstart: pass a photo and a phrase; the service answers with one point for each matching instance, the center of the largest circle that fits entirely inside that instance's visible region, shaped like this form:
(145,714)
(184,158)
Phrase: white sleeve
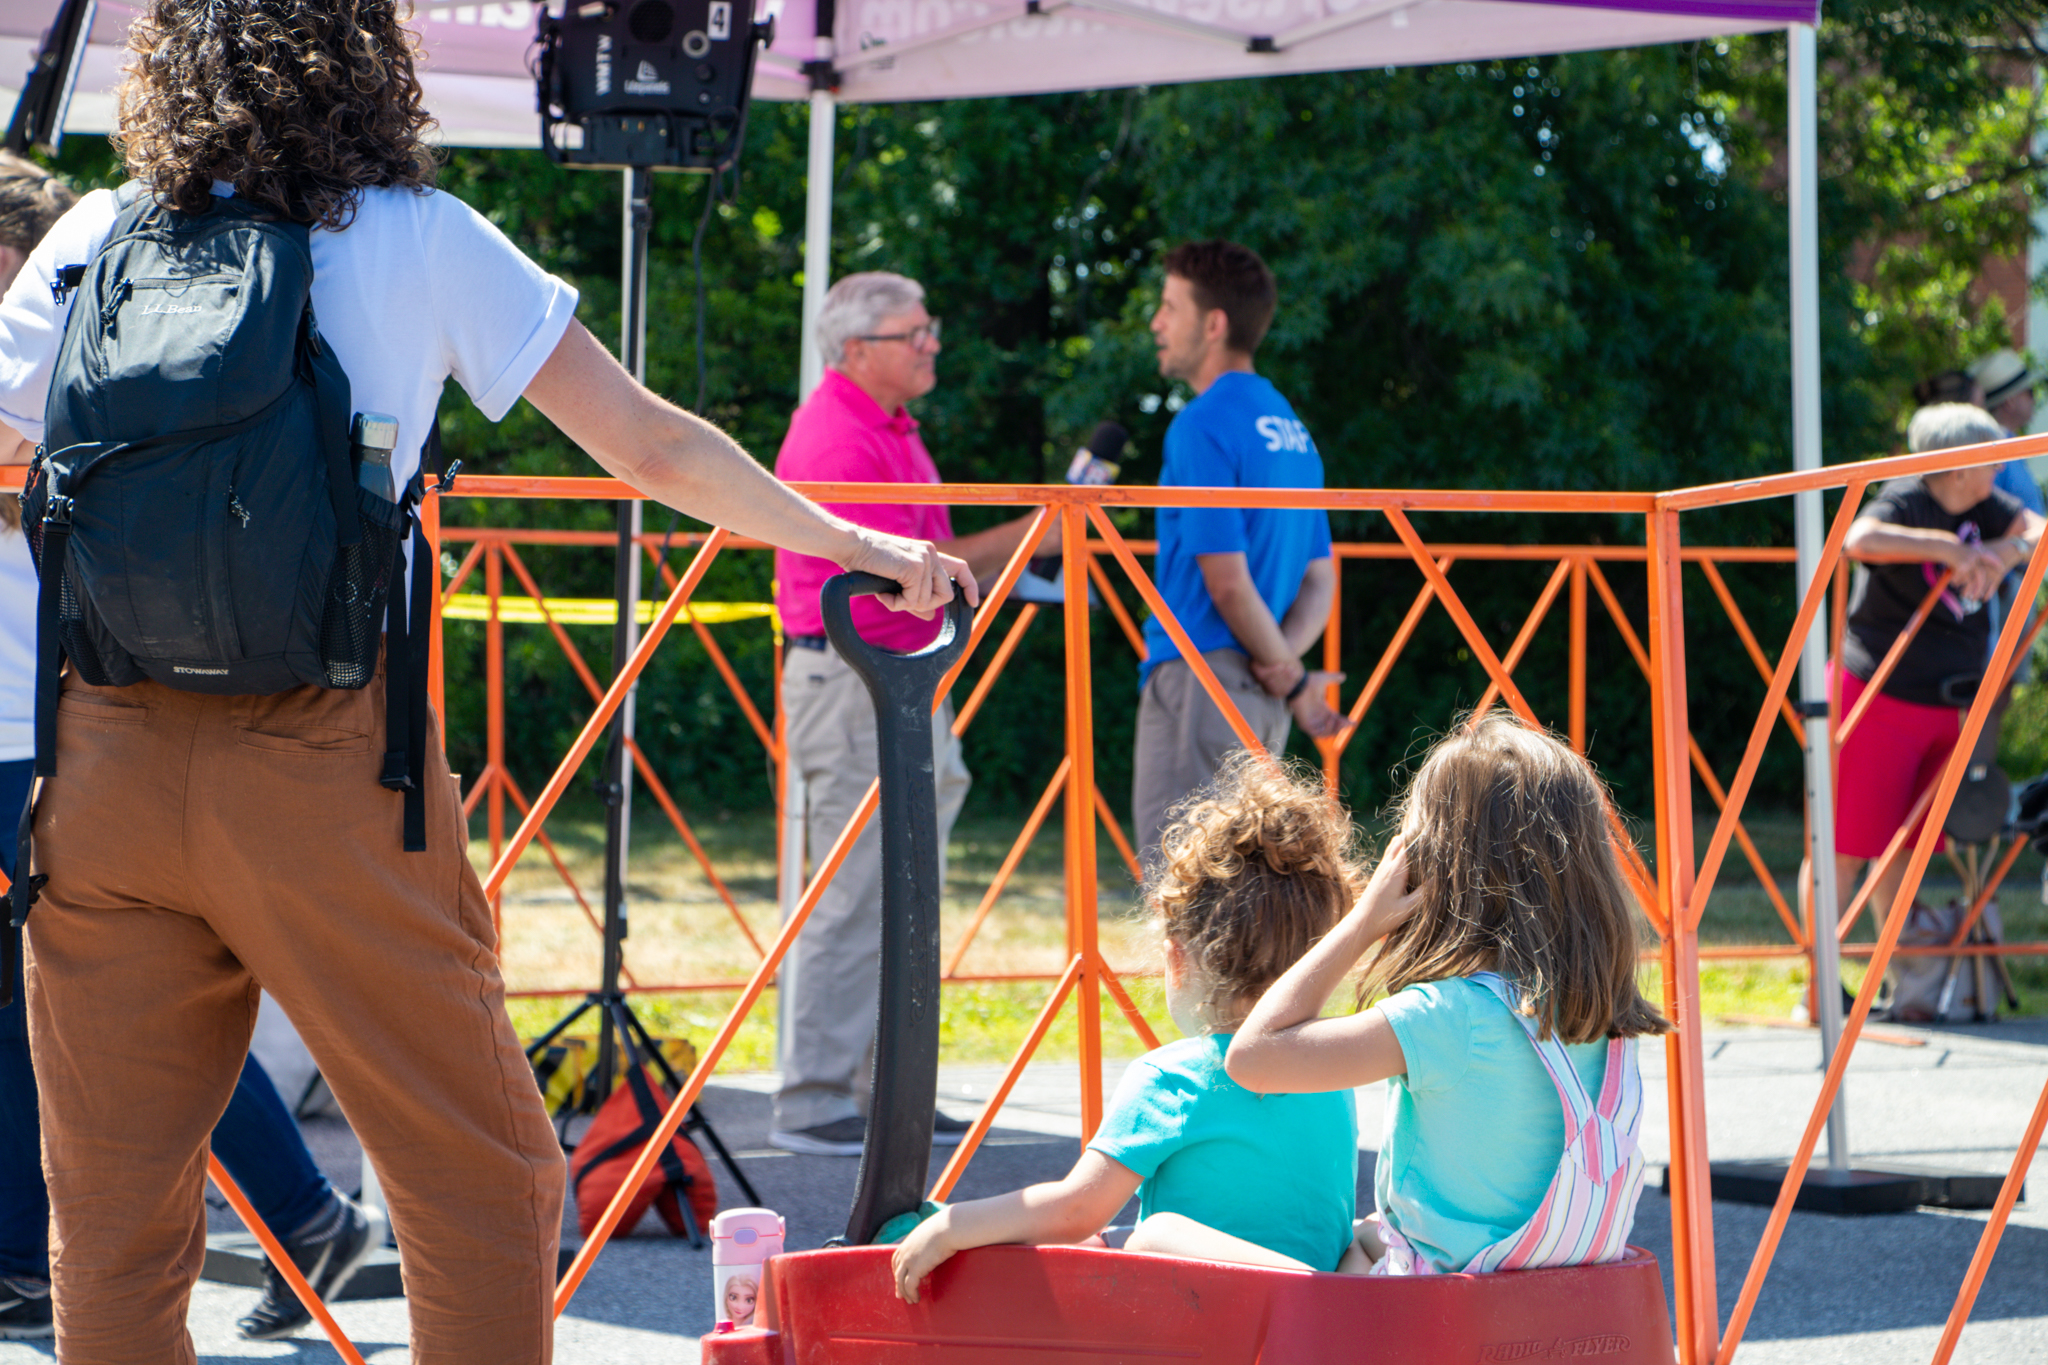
(500,314)
(31,319)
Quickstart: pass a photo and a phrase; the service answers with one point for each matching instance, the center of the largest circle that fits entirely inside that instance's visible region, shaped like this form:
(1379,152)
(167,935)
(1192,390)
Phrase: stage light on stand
(661,84)
(640,86)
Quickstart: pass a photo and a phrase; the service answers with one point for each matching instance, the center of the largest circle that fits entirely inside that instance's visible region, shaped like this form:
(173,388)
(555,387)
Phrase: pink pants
(1895,752)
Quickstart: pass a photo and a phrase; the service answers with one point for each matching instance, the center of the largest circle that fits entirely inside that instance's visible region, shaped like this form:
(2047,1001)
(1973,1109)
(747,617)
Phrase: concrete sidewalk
(1872,1291)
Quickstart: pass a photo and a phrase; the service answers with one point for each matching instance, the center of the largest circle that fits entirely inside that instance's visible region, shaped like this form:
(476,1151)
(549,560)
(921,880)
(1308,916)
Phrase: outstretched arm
(1069,1210)
(684,461)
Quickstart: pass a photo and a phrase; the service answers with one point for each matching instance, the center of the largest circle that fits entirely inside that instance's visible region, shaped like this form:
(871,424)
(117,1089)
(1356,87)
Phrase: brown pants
(199,848)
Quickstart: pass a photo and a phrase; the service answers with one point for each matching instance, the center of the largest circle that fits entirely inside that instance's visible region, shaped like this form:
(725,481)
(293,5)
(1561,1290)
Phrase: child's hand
(1387,902)
(919,1254)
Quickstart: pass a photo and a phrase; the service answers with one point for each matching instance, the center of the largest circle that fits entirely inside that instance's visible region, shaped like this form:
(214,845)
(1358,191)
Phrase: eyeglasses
(916,336)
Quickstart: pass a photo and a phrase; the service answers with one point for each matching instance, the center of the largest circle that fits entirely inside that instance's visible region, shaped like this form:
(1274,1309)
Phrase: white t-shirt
(417,288)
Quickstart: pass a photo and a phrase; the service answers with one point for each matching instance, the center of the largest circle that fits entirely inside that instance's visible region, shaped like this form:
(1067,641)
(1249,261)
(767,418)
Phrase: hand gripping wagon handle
(905,1083)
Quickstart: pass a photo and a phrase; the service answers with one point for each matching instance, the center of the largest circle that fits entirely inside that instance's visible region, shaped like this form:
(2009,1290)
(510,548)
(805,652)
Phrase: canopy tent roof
(477,82)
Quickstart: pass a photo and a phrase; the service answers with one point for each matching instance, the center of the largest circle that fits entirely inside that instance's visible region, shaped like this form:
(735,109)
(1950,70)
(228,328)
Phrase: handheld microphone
(1096,461)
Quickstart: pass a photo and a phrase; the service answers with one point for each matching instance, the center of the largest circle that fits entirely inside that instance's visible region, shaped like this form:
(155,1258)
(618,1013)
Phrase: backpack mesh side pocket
(78,643)
(79,633)
(352,623)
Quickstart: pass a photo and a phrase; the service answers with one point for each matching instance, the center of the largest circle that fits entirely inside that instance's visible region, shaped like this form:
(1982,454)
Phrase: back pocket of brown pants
(95,708)
(311,741)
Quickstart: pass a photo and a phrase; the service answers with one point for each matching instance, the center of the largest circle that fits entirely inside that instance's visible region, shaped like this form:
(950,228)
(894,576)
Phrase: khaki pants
(832,977)
(1183,738)
(199,848)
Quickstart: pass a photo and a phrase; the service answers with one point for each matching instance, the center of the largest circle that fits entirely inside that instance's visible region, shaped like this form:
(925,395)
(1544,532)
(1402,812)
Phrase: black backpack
(193,511)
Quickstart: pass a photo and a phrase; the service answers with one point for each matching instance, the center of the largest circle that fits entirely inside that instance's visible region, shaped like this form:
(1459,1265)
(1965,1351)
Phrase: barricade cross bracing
(1674,891)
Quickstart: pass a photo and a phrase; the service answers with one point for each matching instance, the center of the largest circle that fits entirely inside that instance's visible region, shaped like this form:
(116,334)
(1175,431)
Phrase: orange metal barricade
(1698,1336)
(1675,890)
(493,550)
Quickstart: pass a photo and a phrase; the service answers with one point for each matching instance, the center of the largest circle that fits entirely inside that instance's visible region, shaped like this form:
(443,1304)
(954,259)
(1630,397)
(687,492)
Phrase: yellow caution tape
(595,611)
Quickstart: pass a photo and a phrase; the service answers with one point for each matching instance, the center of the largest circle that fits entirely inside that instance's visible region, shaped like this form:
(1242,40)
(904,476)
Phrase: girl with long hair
(1508,964)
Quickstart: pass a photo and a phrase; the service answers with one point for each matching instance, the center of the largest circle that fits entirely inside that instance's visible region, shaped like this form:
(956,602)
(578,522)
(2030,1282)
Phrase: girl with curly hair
(199,846)
(1508,1032)
(1252,872)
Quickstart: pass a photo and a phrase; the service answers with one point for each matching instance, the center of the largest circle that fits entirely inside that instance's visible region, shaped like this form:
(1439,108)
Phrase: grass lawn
(682,931)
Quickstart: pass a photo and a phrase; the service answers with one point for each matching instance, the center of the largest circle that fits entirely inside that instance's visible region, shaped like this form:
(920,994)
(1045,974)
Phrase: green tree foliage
(1563,272)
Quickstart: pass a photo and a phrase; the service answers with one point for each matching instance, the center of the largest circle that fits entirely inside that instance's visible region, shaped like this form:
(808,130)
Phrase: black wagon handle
(904,1085)
(835,600)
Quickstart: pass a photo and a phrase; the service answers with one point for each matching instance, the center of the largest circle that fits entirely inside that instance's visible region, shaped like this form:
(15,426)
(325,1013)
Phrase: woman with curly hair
(1252,871)
(200,846)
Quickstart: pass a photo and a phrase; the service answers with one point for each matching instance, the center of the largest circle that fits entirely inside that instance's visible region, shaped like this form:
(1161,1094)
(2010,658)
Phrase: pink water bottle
(742,1240)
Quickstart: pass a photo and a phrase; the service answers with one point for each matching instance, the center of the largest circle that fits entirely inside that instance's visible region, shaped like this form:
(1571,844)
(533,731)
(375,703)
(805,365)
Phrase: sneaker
(328,1257)
(841,1137)
(948,1131)
(25,1310)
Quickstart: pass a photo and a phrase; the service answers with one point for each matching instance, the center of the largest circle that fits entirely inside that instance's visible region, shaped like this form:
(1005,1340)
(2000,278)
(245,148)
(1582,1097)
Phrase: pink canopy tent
(477,83)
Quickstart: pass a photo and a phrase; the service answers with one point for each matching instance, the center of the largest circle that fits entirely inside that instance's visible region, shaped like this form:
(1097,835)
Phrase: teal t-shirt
(1474,1128)
(1278,1170)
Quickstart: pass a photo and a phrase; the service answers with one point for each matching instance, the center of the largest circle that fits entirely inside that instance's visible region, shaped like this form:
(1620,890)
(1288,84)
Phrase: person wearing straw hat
(194,846)
(1903,538)
(2005,383)
(2008,383)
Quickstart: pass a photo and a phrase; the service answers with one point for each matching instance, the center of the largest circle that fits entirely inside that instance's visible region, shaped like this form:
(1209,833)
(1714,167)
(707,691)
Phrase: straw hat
(2003,374)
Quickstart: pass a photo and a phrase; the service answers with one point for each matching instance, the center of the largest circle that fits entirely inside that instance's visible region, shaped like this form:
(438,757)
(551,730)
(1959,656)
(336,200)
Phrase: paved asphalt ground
(1872,1291)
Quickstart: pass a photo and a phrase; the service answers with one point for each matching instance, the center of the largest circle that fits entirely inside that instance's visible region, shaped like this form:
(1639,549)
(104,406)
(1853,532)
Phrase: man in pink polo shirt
(880,348)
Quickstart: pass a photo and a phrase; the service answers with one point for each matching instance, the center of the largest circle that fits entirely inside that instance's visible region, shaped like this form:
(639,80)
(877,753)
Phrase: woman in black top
(1905,537)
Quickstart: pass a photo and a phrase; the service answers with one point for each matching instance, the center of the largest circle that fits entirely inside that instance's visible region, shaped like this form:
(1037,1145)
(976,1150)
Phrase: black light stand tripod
(619,1028)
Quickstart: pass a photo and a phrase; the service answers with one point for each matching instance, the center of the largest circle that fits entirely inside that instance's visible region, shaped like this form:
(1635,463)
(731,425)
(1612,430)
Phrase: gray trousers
(1183,738)
(832,977)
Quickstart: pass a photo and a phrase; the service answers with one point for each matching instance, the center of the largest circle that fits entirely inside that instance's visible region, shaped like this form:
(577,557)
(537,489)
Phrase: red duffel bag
(624,1124)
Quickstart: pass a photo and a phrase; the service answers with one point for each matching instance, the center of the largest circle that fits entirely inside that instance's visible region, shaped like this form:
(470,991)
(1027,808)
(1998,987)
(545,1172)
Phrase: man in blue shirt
(1252,587)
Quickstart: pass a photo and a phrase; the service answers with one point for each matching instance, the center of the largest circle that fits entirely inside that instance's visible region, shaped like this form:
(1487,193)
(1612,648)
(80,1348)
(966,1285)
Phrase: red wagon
(1090,1305)
(1086,1306)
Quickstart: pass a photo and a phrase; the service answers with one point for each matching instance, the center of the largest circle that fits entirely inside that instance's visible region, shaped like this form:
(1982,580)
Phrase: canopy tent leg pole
(2036,339)
(817,234)
(1802,168)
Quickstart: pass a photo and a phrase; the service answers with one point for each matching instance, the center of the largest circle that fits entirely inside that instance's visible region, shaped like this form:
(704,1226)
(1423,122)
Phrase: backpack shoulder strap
(407,624)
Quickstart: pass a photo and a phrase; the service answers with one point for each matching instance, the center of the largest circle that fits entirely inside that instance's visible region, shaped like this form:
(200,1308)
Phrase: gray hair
(856,306)
(1944,426)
